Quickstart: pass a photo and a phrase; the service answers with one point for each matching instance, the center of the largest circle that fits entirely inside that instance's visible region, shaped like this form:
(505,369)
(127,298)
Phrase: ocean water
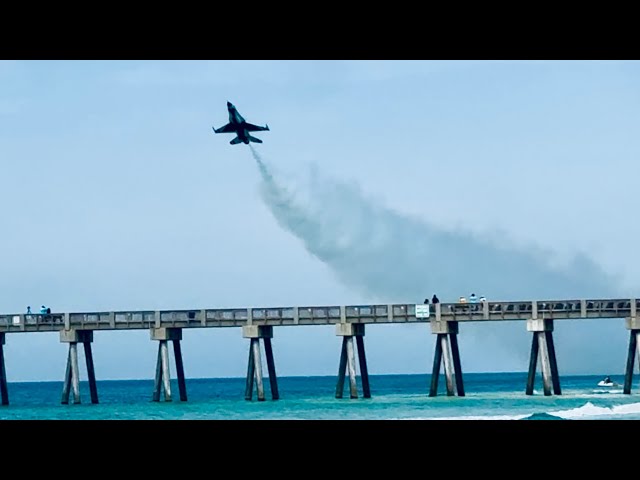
(489,396)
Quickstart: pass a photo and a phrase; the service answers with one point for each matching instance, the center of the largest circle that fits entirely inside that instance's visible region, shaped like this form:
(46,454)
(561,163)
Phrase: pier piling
(364,372)
(447,352)
(257,361)
(163,372)
(342,368)
(271,368)
(349,331)
(533,360)
(4,391)
(182,386)
(72,374)
(633,325)
(457,365)
(555,377)
(437,360)
(255,333)
(542,346)
(448,364)
(248,390)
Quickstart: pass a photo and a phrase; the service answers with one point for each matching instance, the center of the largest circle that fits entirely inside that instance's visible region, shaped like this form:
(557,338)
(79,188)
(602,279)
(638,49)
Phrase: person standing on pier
(434,301)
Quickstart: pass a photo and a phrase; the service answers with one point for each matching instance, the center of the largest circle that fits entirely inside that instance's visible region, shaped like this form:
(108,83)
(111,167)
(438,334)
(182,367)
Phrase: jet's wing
(255,128)
(228,128)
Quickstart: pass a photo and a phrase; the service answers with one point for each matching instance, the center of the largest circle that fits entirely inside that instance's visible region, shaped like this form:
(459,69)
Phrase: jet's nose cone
(229,104)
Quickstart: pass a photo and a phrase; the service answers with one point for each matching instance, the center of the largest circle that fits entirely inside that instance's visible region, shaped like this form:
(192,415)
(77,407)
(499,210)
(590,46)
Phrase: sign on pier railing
(422,311)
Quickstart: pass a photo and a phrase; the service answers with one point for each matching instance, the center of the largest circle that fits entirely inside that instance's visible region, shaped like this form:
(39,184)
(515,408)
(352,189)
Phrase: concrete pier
(255,333)
(447,352)
(72,375)
(349,331)
(350,320)
(163,372)
(542,347)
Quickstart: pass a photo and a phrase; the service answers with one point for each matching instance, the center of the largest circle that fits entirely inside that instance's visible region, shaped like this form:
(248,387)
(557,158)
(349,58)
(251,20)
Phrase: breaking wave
(585,412)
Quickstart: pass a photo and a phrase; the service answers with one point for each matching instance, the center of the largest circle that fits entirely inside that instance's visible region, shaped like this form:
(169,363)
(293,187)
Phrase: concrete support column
(4,391)
(72,374)
(163,373)
(349,331)
(255,333)
(542,347)
(633,325)
(446,352)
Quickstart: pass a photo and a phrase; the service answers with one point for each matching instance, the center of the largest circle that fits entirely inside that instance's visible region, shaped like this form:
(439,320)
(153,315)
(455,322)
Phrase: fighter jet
(240,127)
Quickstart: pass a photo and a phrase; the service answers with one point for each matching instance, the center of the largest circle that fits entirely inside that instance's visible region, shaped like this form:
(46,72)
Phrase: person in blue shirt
(43,310)
(473,298)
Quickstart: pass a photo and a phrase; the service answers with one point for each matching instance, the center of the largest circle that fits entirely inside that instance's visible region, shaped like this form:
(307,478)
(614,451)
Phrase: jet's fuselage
(238,121)
(234,116)
(243,135)
(239,125)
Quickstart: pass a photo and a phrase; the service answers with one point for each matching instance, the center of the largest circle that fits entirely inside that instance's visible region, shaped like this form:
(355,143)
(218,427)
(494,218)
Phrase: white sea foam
(586,411)
(591,410)
(474,417)
(601,391)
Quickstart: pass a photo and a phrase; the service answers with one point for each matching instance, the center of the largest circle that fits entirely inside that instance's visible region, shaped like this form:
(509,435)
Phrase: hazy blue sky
(513,179)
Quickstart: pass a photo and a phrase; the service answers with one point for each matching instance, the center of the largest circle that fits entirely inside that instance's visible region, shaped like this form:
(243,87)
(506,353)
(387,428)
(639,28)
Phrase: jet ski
(602,383)
(608,383)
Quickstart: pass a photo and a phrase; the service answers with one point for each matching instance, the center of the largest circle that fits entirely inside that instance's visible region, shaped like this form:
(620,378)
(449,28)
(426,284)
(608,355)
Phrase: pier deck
(320,315)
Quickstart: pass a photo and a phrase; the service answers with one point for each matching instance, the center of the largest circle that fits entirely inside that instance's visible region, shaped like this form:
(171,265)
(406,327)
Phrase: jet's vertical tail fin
(254,139)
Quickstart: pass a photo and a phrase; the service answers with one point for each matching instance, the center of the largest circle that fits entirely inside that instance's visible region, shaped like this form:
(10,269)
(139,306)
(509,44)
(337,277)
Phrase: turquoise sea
(489,396)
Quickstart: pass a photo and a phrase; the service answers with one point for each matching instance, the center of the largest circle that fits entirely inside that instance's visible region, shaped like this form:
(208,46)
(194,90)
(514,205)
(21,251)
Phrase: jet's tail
(235,141)
(254,139)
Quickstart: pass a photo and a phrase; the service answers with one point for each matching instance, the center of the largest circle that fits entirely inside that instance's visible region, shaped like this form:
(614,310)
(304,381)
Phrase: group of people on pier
(472,299)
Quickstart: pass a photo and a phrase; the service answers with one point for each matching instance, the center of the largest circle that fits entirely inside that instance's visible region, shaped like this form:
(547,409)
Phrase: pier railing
(321,315)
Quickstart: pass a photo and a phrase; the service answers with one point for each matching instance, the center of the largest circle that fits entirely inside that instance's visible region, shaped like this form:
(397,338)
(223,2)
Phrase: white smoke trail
(392,257)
